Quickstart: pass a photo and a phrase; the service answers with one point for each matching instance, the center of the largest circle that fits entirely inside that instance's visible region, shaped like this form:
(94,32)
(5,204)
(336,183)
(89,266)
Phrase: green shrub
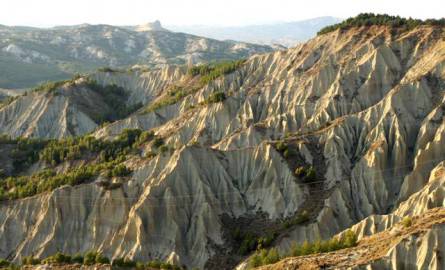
(164,148)
(265,241)
(281,146)
(295,250)
(210,72)
(162,265)
(311,175)
(30,260)
(272,256)
(100,259)
(255,261)
(154,264)
(157,142)
(77,259)
(120,171)
(140,266)
(349,239)
(216,97)
(300,171)
(122,262)
(333,244)
(407,222)
(301,218)
(90,258)
(58,258)
(4,263)
(144,137)
(107,70)
(307,174)
(264,257)
(50,86)
(173,97)
(289,152)
(249,242)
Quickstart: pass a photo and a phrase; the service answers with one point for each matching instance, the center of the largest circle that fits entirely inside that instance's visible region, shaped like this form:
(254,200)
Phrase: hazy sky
(206,12)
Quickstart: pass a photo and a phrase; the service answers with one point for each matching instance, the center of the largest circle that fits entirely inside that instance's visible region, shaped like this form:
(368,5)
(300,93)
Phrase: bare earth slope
(398,247)
(364,107)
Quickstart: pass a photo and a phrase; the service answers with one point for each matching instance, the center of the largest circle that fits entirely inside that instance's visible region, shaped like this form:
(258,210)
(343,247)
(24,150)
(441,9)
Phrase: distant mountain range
(29,55)
(287,34)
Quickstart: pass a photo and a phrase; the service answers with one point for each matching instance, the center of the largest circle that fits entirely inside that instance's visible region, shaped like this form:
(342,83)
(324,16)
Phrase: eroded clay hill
(363,107)
(417,245)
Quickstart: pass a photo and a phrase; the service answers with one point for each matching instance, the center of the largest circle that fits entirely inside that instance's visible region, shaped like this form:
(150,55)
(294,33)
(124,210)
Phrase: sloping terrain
(29,56)
(290,146)
(399,247)
(76,107)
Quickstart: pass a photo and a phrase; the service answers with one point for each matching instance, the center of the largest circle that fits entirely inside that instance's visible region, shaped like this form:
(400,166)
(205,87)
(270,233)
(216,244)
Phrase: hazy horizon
(49,13)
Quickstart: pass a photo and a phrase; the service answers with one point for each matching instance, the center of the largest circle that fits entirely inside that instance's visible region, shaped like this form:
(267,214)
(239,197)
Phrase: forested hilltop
(368,19)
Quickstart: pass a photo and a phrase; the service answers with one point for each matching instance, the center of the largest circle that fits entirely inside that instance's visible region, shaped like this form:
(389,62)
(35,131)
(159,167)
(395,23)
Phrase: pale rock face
(37,115)
(173,201)
(370,100)
(28,56)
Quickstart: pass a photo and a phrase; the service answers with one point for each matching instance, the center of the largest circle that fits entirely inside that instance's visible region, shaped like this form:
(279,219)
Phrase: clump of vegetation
(119,171)
(301,218)
(162,265)
(107,157)
(207,73)
(174,95)
(249,242)
(281,146)
(58,258)
(116,97)
(349,239)
(210,72)
(4,263)
(158,142)
(216,97)
(57,151)
(26,151)
(8,101)
(307,174)
(264,257)
(407,222)
(77,258)
(94,257)
(144,137)
(165,148)
(108,70)
(123,262)
(30,260)
(49,87)
(368,19)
